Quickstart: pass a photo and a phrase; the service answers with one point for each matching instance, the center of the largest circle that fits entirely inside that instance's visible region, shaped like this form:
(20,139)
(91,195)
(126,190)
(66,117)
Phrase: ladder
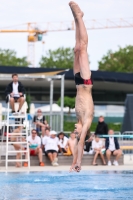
(23,133)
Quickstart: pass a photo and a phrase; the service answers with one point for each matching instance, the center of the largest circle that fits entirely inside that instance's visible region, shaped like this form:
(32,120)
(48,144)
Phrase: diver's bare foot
(77,168)
(75,10)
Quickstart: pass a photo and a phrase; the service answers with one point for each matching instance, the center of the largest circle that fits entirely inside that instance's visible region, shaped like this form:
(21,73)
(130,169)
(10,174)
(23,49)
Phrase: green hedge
(69,126)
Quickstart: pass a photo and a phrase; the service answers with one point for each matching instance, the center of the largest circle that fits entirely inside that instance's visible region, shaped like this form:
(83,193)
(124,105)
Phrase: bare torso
(71,143)
(84,106)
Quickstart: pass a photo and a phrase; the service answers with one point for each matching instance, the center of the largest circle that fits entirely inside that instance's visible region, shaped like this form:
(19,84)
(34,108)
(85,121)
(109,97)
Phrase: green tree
(119,61)
(68,102)
(9,58)
(59,58)
(28,100)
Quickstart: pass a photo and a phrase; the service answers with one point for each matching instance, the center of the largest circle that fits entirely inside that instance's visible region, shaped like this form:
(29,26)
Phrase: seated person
(16,91)
(40,122)
(35,147)
(97,146)
(17,138)
(51,147)
(71,142)
(88,142)
(47,134)
(112,147)
(62,142)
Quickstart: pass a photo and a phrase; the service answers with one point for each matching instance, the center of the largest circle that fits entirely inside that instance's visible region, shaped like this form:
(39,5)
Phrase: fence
(55,119)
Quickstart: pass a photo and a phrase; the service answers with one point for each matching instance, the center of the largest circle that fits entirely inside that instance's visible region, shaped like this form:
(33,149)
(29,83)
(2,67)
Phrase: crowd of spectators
(48,142)
(103,146)
(52,144)
(43,140)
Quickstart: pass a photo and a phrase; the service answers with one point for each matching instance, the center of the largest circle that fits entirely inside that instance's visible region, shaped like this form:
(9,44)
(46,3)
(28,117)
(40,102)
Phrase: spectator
(35,147)
(97,146)
(102,127)
(112,147)
(40,122)
(62,142)
(16,91)
(71,142)
(51,147)
(17,147)
(88,142)
(47,134)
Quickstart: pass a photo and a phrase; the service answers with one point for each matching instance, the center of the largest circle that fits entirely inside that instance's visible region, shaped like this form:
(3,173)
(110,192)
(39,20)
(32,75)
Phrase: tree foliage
(119,61)
(28,100)
(68,102)
(59,58)
(9,58)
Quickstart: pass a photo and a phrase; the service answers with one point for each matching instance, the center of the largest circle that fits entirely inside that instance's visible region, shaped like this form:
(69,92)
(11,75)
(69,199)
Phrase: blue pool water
(67,186)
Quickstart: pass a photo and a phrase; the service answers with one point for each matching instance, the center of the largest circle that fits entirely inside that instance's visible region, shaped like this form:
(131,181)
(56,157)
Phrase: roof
(97,75)
(107,76)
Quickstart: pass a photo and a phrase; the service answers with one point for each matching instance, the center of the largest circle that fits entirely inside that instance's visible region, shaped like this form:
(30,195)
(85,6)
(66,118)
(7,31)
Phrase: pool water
(85,185)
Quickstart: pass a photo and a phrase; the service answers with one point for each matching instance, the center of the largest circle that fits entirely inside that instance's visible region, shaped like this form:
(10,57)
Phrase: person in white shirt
(51,147)
(16,91)
(62,142)
(97,146)
(35,147)
(112,147)
(43,137)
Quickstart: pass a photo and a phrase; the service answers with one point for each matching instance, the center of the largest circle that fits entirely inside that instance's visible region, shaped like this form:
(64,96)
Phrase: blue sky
(100,41)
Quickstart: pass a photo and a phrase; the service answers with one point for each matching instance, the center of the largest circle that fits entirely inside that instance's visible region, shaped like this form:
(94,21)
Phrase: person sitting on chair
(40,122)
(16,91)
(112,147)
(35,147)
(62,142)
(47,134)
(88,142)
(52,147)
(97,146)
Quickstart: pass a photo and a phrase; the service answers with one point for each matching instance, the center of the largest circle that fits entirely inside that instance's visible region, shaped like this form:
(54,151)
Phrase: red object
(25,164)
(88,82)
(42,164)
(32,152)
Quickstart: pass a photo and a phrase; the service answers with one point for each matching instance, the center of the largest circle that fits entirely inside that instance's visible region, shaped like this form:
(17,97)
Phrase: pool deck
(66,168)
(128,166)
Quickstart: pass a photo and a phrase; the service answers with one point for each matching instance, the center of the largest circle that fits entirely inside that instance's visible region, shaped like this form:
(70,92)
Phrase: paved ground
(66,168)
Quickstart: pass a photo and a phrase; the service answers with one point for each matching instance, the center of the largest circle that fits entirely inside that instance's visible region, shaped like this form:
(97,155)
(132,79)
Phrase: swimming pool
(85,185)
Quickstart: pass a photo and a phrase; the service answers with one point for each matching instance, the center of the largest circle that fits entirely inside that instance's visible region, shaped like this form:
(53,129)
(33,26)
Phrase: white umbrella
(24,107)
(55,108)
(32,109)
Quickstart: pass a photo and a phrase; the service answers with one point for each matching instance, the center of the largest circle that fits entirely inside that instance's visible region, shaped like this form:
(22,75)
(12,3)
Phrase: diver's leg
(85,128)
(75,155)
(83,40)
